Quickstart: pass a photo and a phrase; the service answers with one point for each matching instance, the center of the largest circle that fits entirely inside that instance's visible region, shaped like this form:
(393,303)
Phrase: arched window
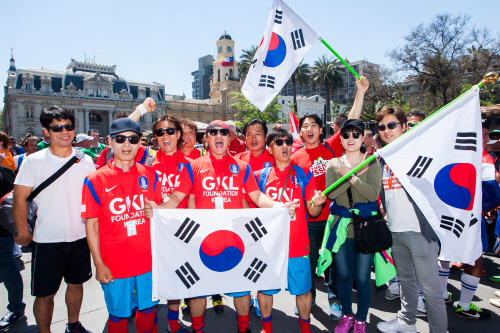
(230,73)
(95,118)
(218,75)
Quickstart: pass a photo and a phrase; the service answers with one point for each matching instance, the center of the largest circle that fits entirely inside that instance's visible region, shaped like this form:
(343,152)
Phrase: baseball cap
(216,123)
(123,125)
(82,137)
(353,123)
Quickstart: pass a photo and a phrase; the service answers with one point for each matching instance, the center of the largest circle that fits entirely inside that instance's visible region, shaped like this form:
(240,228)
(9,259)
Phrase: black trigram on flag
(187,229)
(418,169)
(466,141)
(297,39)
(253,62)
(473,220)
(187,275)
(257,267)
(267,81)
(451,224)
(256,229)
(278,16)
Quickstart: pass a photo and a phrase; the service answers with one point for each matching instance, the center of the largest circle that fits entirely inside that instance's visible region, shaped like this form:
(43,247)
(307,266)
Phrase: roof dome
(225,36)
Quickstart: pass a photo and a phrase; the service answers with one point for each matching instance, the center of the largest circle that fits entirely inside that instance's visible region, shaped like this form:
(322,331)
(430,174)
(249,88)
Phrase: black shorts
(53,261)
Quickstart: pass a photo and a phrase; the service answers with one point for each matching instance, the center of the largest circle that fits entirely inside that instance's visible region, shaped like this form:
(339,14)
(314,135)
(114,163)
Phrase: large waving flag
(294,123)
(200,252)
(439,164)
(286,41)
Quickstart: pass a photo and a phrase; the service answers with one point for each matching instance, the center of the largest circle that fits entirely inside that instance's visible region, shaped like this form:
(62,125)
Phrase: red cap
(216,123)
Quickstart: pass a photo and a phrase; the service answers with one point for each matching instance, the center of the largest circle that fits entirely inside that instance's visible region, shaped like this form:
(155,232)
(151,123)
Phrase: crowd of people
(117,182)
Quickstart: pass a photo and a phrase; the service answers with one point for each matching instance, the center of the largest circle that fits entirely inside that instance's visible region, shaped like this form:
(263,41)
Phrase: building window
(91,92)
(105,93)
(218,75)
(29,111)
(27,86)
(95,118)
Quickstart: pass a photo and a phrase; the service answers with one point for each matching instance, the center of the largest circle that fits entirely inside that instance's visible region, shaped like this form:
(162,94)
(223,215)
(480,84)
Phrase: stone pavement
(94,314)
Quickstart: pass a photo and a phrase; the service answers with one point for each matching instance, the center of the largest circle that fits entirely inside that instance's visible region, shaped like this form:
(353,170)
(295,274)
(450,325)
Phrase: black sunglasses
(412,124)
(355,135)
(133,139)
(279,142)
(168,130)
(392,125)
(59,128)
(215,131)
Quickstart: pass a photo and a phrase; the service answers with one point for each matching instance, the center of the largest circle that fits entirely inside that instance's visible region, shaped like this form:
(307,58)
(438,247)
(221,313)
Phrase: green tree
(325,74)
(247,111)
(246,59)
(302,77)
(370,110)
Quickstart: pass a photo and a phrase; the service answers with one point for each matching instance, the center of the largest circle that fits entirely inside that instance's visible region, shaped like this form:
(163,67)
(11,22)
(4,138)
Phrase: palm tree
(246,61)
(326,74)
(302,76)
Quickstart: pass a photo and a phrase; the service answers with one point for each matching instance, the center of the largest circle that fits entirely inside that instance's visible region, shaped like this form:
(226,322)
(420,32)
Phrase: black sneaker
(473,313)
(10,319)
(185,305)
(246,331)
(217,303)
(449,299)
(77,328)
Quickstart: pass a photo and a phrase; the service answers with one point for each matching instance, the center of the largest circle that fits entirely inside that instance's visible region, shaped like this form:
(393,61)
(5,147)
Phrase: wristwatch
(351,176)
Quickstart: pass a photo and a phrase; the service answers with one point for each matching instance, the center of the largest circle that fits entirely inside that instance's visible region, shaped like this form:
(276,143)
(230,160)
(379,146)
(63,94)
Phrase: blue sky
(162,40)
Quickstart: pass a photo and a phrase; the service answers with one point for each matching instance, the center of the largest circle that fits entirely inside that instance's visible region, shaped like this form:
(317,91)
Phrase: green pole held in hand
(341,59)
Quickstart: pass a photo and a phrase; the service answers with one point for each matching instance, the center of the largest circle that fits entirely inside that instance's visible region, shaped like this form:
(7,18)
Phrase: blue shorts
(119,295)
(299,277)
(238,294)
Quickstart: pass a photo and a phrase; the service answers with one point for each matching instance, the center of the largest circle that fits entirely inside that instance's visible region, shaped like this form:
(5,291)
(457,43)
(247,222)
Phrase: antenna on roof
(84,55)
(94,57)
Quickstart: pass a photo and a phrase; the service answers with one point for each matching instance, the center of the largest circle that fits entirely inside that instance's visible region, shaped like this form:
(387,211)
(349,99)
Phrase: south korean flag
(286,41)
(199,252)
(438,163)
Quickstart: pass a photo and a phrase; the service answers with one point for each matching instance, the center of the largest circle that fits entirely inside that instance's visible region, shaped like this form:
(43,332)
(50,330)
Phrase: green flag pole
(489,78)
(340,58)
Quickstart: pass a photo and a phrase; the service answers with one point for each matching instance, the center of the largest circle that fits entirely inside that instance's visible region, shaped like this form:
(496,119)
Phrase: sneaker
(335,311)
(346,323)
(483,271)
(495,302)
(359,327)
(390,295)
(185,305)
(256,307)
(456,265)
(495,278)
(10,319)
(396,325)
(217,303)
(449,299)
(421,312)
(497,293)
(180,330)
(246,331)
(77,329)
(473,313)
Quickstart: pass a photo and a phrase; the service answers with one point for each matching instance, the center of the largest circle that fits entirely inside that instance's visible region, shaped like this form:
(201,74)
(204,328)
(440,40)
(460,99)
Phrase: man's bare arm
(20,214)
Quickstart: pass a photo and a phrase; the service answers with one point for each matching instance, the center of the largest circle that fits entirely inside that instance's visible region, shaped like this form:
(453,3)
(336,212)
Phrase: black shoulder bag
(371,234)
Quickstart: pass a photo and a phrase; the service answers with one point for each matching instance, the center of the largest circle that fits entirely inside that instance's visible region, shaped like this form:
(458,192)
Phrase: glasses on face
(215,131)
(168,130)
(347,135)
(133,139)
(59,128)
(392,125)
(413,124)
(279,142)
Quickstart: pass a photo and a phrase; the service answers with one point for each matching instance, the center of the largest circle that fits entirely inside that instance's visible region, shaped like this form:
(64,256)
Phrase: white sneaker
(396,326)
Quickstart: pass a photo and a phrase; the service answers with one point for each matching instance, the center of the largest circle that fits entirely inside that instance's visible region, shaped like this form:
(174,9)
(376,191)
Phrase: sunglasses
(59,128)
(355,135)
(279,142)
(133,139)
(392,125)
(168,130)
(412,124)
(222,131)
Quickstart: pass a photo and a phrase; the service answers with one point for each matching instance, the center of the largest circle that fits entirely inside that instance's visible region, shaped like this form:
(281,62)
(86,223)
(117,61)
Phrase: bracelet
(142,109)
(352,176)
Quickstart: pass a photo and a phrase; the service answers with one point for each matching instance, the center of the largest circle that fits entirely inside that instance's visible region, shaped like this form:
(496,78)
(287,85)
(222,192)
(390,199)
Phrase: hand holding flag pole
(489,78)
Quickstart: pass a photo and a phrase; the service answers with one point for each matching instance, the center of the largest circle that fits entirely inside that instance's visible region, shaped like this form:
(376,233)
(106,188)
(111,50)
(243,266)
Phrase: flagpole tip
(490,78)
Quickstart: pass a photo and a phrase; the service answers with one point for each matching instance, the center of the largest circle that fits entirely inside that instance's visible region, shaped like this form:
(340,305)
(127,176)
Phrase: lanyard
(284,184)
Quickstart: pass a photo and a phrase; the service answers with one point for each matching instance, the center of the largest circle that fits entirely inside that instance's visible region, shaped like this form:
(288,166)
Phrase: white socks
(469,286)
(444,274)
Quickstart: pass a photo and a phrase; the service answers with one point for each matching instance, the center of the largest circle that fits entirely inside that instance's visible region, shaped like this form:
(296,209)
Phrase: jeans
(316,231)
(9,274)
(416,263)
(358,265)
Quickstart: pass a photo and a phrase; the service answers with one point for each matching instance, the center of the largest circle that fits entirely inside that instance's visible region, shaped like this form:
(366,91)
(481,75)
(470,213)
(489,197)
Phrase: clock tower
(226,78)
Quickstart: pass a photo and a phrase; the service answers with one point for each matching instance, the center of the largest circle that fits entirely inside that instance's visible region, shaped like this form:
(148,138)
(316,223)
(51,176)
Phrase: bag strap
(75,159)
(349,196)
(329,148)
(263,178)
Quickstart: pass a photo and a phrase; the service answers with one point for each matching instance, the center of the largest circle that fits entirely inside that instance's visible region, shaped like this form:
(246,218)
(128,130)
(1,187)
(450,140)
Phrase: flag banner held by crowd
(439,164)
(294,123)
(286,41)
(200,252)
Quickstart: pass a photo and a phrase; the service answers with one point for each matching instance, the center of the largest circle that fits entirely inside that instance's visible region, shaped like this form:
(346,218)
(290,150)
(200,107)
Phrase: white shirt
(59,205)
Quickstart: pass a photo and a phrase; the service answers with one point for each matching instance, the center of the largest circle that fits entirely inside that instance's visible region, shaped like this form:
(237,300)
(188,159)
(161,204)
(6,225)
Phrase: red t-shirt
(256,163)
(168,168)
(211,178)
(315,160)
(140,158)
(115,198)
(299,240)
(196,153)
(236,146)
